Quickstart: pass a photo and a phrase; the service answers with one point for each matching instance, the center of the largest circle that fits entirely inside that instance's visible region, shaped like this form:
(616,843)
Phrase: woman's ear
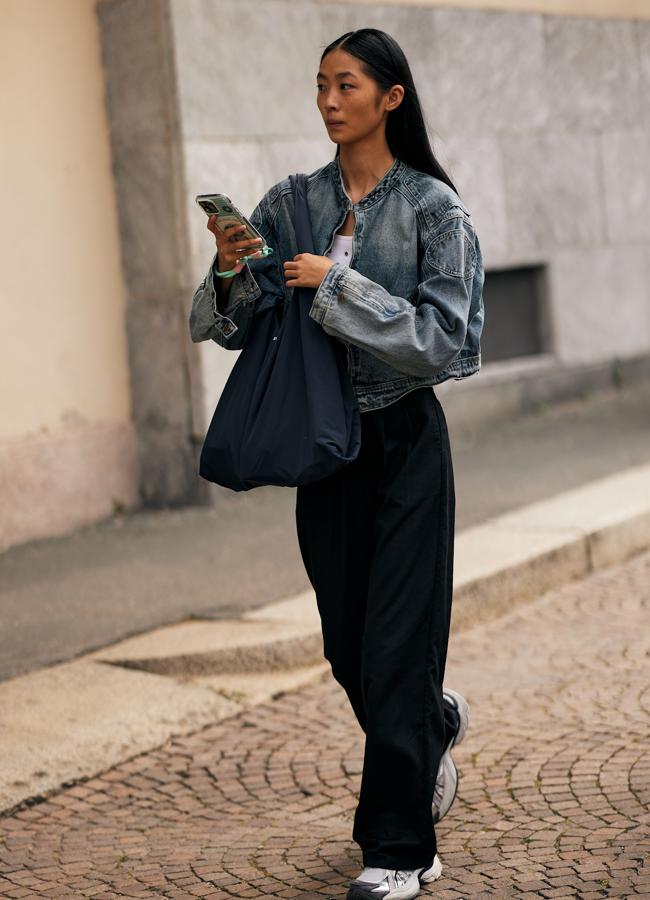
(395,97)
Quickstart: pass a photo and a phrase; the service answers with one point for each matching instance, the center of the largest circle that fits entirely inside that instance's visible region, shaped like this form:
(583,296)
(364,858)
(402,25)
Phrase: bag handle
(301,216)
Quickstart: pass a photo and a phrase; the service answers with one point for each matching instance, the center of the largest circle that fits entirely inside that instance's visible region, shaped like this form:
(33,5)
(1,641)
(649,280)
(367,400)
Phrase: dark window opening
(515,314)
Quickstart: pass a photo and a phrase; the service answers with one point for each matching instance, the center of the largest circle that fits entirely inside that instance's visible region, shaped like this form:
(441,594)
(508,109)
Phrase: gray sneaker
(446,786)
(392,884)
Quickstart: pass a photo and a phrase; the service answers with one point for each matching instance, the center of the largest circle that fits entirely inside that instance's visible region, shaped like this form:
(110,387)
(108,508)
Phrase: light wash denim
(409,307)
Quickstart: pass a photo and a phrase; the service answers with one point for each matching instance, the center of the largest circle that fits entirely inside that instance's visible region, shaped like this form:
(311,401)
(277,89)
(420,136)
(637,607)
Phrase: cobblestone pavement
(554,789)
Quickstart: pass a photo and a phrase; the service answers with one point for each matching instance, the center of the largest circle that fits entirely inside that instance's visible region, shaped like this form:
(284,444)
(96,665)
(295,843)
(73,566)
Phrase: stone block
(484,72)
(155,340)
(224,92)
(642,30)
(592,74)
(553,189)
(133,50)
(151,234)
(626,183)
(599,302)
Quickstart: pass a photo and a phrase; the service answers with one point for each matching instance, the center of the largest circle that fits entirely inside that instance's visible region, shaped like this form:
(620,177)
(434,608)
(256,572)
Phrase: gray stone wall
(147,148)
(542,121)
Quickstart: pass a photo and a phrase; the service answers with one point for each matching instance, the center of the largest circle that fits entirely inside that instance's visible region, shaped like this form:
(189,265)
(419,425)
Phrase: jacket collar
(393,175)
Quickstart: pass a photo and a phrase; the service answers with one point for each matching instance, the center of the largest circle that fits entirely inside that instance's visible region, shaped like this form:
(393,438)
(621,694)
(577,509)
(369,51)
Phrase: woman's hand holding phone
(231,245)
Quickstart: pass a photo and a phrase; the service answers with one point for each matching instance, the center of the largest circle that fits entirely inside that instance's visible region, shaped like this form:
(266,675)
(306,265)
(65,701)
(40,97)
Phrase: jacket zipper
(352,252)
(329,247)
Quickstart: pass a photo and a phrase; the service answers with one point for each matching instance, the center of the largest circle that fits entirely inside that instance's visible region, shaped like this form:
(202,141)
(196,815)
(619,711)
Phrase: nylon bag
(287,414)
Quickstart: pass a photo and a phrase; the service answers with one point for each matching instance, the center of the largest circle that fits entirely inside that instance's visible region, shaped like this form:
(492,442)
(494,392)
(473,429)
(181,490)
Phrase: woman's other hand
(306,270)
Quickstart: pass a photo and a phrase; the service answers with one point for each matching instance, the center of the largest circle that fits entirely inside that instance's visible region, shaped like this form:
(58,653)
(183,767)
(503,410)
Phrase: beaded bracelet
(263,251)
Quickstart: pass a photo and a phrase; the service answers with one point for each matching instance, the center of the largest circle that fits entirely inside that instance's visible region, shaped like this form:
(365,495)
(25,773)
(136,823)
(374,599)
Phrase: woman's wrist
(216,268)
(221,285)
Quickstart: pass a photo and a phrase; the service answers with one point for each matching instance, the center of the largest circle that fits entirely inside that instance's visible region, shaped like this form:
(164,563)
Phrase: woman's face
(346,95)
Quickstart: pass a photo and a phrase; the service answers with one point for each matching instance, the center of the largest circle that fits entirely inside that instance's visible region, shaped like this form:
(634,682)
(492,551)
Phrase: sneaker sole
(463,713)
(431,874)
(405,893)
(448,766)
(451,777)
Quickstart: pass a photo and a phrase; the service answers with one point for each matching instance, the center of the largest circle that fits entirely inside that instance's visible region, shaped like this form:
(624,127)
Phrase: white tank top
(341,249)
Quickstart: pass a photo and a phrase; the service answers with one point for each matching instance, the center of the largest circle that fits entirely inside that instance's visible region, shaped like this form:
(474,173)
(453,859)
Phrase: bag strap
(301,216)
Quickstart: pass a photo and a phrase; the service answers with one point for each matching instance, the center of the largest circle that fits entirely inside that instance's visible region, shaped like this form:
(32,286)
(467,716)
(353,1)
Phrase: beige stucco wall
(64,352)
(64,380)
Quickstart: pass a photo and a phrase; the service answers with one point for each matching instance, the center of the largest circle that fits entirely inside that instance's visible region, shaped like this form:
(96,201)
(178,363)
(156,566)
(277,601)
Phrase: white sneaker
(392,884)
(446,786)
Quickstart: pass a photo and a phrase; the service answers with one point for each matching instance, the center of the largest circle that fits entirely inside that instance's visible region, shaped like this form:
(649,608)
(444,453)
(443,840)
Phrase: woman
(399,276)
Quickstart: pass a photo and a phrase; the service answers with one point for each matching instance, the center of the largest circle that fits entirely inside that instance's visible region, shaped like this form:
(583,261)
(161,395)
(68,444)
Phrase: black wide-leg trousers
(376,538)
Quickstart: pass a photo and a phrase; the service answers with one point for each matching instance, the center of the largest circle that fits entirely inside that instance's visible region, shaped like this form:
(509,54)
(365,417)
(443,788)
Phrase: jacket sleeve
(258,285)
(420,334)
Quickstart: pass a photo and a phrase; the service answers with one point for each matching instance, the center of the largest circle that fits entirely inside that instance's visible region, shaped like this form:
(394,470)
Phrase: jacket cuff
(238,292)
(243,287)
(326,295)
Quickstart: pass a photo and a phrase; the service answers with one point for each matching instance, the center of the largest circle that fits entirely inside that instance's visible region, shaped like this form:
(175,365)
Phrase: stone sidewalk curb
(69,722)
(508,560)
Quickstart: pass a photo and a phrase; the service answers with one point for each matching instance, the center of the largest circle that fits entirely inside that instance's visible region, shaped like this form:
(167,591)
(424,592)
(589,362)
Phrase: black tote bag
(287,414)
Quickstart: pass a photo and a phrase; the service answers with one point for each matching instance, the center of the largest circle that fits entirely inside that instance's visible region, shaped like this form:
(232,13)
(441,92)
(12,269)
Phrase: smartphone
(228,215)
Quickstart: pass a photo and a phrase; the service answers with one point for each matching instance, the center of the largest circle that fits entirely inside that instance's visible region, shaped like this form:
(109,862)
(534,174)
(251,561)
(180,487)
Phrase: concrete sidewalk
(74,720)
(67,596)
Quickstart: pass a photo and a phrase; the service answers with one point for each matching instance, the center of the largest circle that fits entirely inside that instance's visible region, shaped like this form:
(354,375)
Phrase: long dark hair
(383,59)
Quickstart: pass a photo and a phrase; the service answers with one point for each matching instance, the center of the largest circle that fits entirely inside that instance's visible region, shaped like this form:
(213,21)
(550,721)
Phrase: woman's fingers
(232,244)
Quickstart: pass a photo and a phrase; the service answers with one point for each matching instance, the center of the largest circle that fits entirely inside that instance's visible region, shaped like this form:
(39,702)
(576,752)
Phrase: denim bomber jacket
(409,307)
